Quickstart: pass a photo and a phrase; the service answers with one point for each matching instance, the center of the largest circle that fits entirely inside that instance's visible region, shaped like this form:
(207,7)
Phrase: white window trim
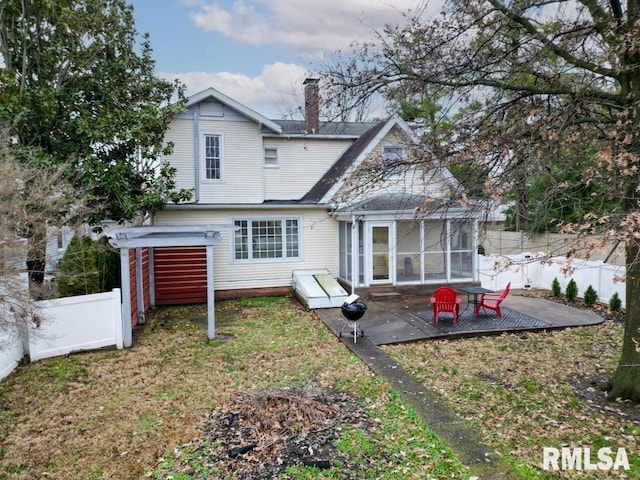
(264,157)
(203,162)
(282,219)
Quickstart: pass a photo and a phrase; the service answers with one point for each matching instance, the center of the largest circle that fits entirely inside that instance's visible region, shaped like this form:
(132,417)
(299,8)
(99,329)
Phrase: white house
(286,188)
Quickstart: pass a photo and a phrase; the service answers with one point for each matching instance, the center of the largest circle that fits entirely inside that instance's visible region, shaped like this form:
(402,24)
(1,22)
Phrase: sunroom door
(381,266)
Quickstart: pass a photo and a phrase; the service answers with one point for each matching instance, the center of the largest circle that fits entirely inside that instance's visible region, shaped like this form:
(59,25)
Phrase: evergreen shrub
(615,304)
(590,296)
(572,290)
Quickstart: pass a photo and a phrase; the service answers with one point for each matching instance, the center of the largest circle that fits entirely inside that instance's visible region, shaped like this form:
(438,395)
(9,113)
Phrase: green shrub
(615,304)
(590,296)
(88,266)
(555,288)
(572,290)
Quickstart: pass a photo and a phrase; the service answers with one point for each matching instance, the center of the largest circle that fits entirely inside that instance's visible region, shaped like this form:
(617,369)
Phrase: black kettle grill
(353,310)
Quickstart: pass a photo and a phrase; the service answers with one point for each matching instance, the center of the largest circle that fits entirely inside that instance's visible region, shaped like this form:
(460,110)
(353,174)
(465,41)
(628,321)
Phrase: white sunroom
(397,247)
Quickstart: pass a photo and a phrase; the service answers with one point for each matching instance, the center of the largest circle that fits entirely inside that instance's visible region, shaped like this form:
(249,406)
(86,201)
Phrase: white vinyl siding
(303,161)
(414,179)
(242,163)
(319,246)
(180,133)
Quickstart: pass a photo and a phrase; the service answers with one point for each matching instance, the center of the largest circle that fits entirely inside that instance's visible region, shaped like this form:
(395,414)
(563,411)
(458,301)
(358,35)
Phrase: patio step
(385,295)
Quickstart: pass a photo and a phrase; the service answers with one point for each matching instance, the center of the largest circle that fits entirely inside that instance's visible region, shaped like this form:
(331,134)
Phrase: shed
(150,237)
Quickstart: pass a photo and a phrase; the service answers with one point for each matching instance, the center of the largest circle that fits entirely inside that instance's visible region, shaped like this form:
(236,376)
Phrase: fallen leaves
(261,434)
(529,390)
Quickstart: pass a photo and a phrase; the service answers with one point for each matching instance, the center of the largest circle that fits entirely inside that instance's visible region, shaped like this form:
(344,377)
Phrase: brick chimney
(311,105)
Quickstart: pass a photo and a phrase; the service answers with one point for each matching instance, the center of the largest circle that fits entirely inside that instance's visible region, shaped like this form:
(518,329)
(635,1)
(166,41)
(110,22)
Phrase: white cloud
(275,93)
(311,27)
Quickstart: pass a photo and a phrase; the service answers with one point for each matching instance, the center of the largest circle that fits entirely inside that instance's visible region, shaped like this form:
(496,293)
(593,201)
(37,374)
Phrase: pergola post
(151,237)
(152,279)
(140,285)
(125,275)
(211,314)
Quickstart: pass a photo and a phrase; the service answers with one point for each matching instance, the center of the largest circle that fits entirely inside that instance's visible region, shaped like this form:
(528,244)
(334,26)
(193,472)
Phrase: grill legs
(352,328)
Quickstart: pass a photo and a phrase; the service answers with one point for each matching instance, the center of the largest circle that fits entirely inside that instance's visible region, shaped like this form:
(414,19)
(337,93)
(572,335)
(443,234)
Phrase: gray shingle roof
(348,129)
(392,202)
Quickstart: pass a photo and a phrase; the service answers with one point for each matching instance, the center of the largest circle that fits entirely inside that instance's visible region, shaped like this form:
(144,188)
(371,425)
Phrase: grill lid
(353,310)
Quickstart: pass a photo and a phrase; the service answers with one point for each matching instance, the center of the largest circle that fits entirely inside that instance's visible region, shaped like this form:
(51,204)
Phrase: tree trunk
(625,382)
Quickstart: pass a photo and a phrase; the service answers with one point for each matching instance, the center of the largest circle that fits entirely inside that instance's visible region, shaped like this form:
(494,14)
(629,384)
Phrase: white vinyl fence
(68,325)
(78,323)
(10,354)
(526,271)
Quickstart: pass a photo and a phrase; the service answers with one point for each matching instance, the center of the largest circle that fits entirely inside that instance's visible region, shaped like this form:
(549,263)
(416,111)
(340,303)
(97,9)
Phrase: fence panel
(524,271)
(10,354)
(77,323)
(500,242)
(496,271)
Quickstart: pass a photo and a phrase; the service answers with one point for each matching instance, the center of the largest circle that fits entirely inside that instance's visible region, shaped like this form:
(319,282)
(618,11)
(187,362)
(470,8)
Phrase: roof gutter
(245,206)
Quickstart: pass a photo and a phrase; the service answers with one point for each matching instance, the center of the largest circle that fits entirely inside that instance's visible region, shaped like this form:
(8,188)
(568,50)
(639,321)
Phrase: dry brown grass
(116,414)
(113,414)
(529,390)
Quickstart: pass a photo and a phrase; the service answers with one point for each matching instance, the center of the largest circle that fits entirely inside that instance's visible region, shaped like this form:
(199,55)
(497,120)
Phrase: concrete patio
(410,319)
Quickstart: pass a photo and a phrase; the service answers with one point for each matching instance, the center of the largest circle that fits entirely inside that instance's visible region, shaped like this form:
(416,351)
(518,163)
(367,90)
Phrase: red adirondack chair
(492,301)
(445,299)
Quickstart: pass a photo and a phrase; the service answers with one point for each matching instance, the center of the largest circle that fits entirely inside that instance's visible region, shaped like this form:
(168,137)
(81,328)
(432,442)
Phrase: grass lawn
(528,391)
(153,411)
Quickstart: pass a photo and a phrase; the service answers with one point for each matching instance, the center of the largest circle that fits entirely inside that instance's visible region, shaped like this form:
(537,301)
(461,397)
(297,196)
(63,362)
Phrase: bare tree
(540,87)
(29,195)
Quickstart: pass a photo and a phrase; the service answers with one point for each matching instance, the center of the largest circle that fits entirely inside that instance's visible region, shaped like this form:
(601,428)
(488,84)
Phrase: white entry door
(381,258)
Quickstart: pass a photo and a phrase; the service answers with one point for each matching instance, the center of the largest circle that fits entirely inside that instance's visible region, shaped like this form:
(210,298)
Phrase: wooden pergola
(127,238)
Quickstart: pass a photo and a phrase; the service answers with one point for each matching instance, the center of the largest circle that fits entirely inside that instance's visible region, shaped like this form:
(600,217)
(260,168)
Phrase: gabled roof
(334,179)
(237,106)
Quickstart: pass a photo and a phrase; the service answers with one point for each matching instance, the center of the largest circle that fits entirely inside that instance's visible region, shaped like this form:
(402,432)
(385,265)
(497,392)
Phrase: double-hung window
(267,239)
(271,158)
(212,146)
(393,156)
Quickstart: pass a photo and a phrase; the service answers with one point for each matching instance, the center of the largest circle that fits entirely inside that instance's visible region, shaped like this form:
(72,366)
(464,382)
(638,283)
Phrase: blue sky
(257,51)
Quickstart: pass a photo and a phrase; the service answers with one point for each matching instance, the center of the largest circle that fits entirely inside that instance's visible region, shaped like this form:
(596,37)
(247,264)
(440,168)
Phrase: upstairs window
(213,157)
(271,157)
(392,157)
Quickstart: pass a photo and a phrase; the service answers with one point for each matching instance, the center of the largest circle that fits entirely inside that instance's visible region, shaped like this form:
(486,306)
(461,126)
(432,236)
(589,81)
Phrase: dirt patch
(591,391)
(591,388)
(601,309)
(262,434)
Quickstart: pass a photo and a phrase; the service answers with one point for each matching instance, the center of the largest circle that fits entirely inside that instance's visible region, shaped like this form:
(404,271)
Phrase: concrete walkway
(395,321)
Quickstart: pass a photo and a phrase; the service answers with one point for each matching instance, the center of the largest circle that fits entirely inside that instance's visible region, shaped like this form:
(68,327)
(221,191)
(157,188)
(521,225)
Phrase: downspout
(447,253)
(196,159)
(475,257)
(354,253)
